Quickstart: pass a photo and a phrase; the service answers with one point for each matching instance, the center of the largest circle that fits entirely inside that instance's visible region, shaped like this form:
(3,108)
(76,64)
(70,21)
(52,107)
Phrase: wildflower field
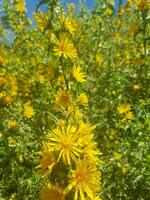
(74,101)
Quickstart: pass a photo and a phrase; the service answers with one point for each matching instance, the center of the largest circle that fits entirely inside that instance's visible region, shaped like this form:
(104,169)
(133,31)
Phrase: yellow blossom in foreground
(52,193)
(28,110)
(83,99)
(65,141)
(124,108)
(64,47)
(20,8)
(84,180)
(77,74)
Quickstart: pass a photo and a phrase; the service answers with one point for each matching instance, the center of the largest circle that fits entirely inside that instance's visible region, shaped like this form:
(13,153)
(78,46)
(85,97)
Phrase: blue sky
(31,4)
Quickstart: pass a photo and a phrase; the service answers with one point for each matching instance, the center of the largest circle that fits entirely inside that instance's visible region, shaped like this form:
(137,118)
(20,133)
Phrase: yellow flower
(136,88)
(124,108)
(70,25)
(85,180)
(20,6)
(63,98)
(61,80)
(86,129)
(83,99)
(52,193)
(108,11)
(75,111)
(42,19)
(77,74)
(28,110)
(91,153)
(129,115)
(64,47)
(47,160)
(142,4)
(12,124)
(121,11)
(65,141)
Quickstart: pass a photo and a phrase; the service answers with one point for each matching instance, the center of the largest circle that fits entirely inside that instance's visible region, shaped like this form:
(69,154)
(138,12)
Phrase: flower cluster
(74,96)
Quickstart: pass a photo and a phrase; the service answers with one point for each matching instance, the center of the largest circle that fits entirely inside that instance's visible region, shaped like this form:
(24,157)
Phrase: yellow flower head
(28,110)
(83,99)
(12,124)
(77,74)
(64,47)
(75,112)
(52,193)
(123,108)
(85,180)
(20,6)
(108,11)
(70,25)
(42,19)
(47,160)
(91,152)
(86,129)
(65,141)
(61,80)
(63,98)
